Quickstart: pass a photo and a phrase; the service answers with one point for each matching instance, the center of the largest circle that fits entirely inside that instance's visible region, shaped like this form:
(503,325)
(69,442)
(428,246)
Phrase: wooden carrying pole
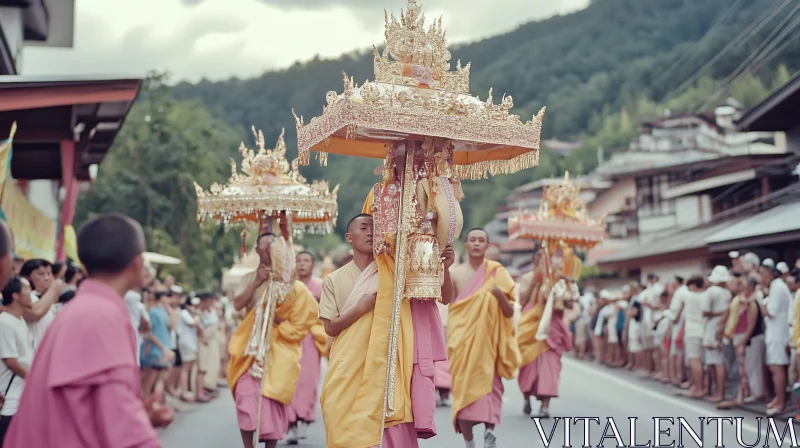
(267,300)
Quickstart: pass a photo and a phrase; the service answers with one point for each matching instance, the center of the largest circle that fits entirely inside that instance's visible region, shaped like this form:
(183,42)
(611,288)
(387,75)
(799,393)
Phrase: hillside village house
(682,181)
(65,126)
(696,204)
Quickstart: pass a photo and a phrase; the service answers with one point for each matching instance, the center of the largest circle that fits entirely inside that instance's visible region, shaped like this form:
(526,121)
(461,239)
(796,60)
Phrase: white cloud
(221,38)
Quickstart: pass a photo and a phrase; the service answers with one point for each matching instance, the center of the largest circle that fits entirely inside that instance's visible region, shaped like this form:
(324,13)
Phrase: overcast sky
(217,39)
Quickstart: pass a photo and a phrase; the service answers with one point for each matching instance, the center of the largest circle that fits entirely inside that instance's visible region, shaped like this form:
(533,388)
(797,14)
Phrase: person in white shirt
(587,302)
(208,349)
(716,305)
(693,326)
(44,296)
(650,300)
(602,310)
(140,319)
(16,348)
(775,310)
(188,328)
(675,316)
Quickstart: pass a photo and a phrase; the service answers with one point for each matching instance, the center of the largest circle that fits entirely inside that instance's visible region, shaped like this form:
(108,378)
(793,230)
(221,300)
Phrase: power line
(728,13)
(758,58)
(745,35)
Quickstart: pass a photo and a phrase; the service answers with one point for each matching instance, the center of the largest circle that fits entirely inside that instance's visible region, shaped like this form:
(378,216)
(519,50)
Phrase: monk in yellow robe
(530,287)
(352,397)
(480,340)
(295,314)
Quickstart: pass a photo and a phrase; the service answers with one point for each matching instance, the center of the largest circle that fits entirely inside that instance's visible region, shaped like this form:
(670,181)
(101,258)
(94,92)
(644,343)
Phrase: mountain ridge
(584,66)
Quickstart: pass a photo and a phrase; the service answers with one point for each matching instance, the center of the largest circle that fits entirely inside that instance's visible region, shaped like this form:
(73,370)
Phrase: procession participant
(91,398)
(481,343)
(295,313)
(716,305)
(529,287)
(356,375)
(559,292)
(303,409)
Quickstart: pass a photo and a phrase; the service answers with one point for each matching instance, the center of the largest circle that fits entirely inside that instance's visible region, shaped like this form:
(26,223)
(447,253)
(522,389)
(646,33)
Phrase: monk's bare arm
(241,301)
(15,366)
(338,324)
(505,305)
(448,288)
(39,309)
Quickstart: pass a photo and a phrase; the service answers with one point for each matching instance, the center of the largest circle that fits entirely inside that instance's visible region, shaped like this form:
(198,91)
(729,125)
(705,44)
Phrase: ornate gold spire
(269,184)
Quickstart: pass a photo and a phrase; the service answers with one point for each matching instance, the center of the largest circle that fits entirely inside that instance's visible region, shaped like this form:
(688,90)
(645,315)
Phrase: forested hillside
(598,71)
(583,66)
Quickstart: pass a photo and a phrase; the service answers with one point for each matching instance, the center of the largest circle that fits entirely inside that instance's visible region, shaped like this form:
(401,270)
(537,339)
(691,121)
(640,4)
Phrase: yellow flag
(5,156)
(71,244)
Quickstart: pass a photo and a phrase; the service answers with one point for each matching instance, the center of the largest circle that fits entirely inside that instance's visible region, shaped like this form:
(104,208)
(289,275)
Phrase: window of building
(648,196)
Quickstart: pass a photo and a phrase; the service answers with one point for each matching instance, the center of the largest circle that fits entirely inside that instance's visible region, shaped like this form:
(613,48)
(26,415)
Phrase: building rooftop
(49,110)
(777,112)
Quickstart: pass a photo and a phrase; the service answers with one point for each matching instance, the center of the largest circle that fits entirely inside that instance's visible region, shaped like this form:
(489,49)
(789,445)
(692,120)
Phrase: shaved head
(109,243)
(356,219)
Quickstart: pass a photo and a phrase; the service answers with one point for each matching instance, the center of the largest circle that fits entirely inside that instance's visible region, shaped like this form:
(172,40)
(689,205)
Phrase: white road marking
(684,403)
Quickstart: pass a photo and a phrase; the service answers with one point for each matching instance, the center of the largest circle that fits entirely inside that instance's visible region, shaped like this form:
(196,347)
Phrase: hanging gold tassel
(244,242)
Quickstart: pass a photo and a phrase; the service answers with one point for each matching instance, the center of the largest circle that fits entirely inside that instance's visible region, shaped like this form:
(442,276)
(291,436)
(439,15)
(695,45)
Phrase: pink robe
(487,408)
(304,403)
(403,435)
(429,348)
(442,376)
(83,389)
(540,377)
(274,416)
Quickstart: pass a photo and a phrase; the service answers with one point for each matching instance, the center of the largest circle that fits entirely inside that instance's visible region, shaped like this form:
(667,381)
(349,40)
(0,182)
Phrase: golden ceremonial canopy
(415,94)
(561,217)
(267,186)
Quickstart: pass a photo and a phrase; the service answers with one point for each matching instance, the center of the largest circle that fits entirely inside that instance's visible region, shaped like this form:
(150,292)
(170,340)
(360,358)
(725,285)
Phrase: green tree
(164,146)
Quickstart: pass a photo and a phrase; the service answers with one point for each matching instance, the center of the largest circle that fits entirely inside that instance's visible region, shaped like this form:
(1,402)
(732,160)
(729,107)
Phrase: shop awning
(774,226)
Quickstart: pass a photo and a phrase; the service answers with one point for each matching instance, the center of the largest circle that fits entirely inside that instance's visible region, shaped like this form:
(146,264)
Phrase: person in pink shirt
(84,381)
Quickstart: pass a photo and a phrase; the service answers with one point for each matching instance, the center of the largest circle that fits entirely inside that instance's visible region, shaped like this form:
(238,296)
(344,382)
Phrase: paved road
(587,390)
